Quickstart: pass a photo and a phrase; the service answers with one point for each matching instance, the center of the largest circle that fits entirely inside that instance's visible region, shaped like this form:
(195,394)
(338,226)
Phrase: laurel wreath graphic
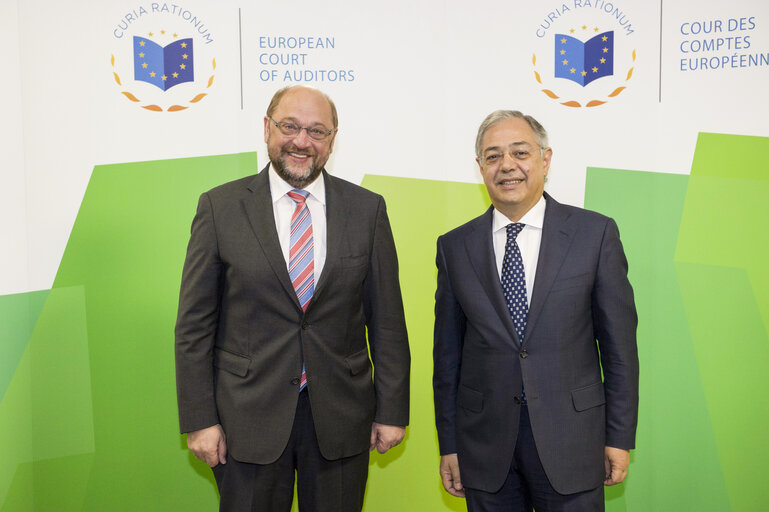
(158,108)
(574,103)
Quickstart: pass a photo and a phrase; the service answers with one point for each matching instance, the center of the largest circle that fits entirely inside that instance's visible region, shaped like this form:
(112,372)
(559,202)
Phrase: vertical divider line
(660,72)
(240,45)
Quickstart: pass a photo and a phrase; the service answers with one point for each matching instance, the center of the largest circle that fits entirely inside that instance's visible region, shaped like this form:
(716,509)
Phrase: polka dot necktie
(514,281)
(301,262)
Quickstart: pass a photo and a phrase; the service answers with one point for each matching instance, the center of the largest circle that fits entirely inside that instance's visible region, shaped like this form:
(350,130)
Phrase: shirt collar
(279,188)
(535,217)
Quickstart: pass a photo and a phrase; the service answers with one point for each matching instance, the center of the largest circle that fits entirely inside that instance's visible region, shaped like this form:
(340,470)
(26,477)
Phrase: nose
(302,138)
(508,162)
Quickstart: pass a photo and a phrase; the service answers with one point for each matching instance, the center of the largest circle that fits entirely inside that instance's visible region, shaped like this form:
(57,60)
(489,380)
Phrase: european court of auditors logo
(163,59)
(585,52)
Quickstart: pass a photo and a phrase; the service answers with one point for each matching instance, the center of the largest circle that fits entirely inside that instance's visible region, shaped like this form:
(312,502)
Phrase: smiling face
(298,159)
(513,167)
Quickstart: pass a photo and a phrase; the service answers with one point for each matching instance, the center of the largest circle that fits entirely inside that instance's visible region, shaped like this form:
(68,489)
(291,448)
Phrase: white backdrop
(424,76)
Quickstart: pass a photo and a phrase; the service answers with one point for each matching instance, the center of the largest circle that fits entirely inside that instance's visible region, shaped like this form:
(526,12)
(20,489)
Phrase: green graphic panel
(88,417)
(721,260)
(675,465)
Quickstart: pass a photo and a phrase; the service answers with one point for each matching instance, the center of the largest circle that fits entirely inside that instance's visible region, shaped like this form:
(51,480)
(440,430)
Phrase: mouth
(297,155)
(511,182)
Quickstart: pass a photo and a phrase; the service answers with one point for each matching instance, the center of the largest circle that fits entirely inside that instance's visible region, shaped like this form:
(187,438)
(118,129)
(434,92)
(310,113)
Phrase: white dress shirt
(283,207)
(529,240)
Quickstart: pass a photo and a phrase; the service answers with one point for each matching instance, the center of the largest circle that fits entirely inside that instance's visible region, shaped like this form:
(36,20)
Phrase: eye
(521,154)
(316,132)
(492,158)
(289,127)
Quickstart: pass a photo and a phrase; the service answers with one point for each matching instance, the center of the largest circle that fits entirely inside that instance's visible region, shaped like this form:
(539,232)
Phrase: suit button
(304,325)
(517,400)
(295,382)
(524,354)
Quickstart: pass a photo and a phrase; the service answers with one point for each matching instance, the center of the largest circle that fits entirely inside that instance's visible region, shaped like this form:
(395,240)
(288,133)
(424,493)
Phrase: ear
(546,159)
(480,166)
(333,139)
(266,129)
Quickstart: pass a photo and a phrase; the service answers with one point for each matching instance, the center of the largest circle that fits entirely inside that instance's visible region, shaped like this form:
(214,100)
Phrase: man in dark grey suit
(288,274)
(524,417)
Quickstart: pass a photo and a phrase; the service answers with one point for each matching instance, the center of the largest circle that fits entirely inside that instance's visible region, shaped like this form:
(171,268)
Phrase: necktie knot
(299,196)
(514,229)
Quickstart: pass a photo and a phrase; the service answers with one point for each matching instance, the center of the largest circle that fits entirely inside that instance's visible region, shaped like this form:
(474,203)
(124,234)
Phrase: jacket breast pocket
(567,283)
(231,362)
(358,260)
(588,397)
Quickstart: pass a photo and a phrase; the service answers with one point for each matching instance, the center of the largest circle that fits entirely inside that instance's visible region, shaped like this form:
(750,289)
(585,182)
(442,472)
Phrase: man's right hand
(450,475)
(208,445)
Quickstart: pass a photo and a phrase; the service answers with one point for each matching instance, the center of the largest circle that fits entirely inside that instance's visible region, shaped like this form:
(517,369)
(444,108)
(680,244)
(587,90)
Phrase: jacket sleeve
(614,323)
(197,323)
(386,326)
(449,332)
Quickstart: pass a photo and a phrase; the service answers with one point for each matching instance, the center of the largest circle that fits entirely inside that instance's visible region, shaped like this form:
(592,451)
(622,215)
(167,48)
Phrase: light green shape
(18,314)
(420,211)
(721,257)
(675,465)
(46,413)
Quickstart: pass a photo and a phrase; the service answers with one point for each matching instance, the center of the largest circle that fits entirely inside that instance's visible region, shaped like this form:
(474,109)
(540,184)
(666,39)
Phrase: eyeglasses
(292,129)
(519,153)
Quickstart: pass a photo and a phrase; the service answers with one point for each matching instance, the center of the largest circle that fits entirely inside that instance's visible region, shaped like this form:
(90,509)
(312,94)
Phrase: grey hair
(500,115)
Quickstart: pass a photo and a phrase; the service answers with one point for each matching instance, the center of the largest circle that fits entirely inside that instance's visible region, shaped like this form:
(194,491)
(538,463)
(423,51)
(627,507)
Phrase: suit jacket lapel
(557,236)
(258,208)
(480,251)
(336,223)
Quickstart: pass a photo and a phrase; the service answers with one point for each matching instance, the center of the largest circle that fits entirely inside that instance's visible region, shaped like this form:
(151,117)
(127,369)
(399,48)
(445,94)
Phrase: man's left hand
(384,437)
(616,461)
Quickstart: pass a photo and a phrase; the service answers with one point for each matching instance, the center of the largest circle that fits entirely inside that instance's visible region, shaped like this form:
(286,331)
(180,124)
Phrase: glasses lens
(317,133)
(288,128)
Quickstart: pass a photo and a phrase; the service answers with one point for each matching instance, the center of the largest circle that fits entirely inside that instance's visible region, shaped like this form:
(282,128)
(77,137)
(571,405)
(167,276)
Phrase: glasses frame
(305,128)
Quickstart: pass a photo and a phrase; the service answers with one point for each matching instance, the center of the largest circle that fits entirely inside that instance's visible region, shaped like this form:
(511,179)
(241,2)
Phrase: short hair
(500,115)
(281,92)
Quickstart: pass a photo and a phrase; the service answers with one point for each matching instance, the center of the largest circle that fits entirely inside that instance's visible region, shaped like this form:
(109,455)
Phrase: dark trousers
(527,487)
(322,485)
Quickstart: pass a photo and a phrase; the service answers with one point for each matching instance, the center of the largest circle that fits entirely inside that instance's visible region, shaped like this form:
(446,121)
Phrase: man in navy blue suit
(536,364)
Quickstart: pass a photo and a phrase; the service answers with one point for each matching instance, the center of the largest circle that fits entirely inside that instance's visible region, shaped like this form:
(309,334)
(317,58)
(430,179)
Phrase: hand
(384,437)
(450,475)
(208,445)
(616,462)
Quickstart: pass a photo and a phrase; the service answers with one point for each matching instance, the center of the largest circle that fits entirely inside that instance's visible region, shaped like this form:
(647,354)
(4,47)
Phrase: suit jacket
(241,335)
(581,294)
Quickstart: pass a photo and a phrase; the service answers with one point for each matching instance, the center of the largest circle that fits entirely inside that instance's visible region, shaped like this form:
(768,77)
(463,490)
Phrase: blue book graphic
(584,62)
(161,66)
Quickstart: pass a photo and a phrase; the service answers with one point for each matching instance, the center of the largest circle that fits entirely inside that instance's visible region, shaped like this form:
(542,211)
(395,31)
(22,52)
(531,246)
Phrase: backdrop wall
(103,164)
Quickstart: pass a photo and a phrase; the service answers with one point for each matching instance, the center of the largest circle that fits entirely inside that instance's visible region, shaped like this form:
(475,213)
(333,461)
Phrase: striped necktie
(301,260)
